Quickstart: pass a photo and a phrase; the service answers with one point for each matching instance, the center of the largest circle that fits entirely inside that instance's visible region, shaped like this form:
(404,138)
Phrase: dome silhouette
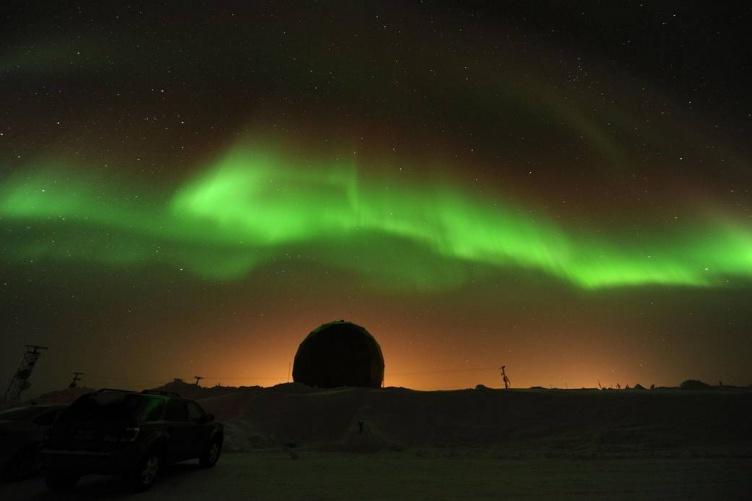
(339,354)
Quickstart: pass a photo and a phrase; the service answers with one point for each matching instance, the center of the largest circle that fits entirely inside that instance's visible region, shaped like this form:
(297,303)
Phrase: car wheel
(61,480)
(146,473)
(211,455)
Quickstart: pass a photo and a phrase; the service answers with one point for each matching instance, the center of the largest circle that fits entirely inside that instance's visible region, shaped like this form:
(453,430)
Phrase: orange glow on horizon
(412,360)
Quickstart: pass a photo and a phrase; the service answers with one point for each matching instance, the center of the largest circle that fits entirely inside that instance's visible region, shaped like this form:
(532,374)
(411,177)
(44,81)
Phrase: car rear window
(195,412)
(176,411)
(111,405)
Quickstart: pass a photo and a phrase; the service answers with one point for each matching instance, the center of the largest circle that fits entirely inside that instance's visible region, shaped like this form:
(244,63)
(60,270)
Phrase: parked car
(22,430)
(130,434)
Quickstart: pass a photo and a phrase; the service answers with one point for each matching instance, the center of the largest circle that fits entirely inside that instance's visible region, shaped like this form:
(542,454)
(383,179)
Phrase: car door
(180,429)
(201,428)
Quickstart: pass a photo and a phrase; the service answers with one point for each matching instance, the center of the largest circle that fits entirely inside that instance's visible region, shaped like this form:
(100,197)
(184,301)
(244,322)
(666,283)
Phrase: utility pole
(20,381)
(198,378)
(504,377)
(76,379)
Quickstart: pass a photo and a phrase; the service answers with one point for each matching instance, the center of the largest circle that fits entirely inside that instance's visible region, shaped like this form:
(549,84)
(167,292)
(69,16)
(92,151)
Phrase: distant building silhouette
(339,354)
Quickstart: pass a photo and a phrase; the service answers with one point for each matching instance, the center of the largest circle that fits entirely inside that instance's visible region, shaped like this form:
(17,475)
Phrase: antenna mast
(504,377)
(20,381)
(76,379)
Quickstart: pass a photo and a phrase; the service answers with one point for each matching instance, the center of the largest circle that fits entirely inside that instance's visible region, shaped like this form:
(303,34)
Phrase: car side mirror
(209,418)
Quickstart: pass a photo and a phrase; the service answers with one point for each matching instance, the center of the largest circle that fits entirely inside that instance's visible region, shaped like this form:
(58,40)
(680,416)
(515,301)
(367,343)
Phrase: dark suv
(128,433)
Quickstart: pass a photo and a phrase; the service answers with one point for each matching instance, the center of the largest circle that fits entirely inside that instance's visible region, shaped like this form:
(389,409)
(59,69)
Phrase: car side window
(195,412)
(154,409)
(176,411)
(47,418)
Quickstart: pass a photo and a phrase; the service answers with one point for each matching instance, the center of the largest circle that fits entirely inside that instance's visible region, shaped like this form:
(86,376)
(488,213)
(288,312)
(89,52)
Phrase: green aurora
(254,207)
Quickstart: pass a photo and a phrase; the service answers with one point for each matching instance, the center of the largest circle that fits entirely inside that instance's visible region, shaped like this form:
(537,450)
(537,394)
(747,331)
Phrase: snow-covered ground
(294,442)
(512,424)
(422,474)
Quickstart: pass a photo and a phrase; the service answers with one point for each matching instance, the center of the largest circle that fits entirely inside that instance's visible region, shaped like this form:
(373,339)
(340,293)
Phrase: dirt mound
(578,422)
(195,392)
(65,396)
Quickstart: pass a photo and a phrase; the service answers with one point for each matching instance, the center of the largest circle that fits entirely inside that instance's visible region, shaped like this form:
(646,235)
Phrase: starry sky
(562,188)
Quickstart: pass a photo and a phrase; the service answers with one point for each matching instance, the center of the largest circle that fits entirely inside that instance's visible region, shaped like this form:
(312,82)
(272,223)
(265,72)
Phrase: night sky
(561,187)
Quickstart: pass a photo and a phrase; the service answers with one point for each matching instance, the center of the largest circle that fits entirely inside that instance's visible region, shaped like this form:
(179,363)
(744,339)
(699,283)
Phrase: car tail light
(123,435)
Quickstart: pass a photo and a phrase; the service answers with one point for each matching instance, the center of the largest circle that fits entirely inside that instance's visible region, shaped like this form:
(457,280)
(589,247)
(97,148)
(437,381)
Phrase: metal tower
(76,379)
(20,381)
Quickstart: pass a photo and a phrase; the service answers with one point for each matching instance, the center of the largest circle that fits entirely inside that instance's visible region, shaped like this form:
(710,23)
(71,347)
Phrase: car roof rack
(162,393)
